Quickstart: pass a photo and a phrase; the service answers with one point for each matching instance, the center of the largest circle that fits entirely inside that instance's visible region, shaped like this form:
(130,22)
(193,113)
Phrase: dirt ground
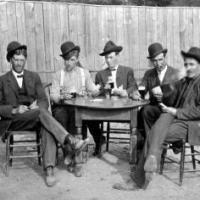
(26,180)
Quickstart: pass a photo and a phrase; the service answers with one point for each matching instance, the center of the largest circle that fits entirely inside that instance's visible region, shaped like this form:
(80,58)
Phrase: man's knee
(177,130)
(149,111)
(28,116)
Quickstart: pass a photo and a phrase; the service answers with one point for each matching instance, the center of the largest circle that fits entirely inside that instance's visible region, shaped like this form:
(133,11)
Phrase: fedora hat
(67,47)
(194,52)
(155,49)
(12,47)
(109,47)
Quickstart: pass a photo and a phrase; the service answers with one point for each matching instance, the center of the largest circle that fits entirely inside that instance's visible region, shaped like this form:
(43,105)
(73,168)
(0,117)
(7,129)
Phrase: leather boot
(78,170)
(50,178)
(76,143)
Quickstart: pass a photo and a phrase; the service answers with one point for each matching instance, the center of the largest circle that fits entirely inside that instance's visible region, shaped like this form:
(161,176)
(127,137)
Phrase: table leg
(79,132)
(133,140)
(133,147)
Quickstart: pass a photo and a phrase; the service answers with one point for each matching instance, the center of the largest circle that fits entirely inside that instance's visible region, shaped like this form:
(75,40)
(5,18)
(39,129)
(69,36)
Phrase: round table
(109,110)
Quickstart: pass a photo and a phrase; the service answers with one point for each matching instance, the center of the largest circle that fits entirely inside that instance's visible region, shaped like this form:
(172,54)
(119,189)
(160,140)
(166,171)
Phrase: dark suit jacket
(124,76)
(9,95)
(151,80)
(190,111)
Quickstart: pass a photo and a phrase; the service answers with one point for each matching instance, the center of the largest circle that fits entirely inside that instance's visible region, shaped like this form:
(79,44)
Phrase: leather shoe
(126,187)
(70,167)
(78,170)
(76,143)
(50,178)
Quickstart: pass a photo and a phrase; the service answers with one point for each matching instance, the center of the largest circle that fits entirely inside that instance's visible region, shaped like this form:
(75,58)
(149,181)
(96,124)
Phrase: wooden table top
(102,103)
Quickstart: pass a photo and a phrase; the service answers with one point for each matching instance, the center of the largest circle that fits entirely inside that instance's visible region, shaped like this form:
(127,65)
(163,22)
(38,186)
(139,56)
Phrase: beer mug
(141,90)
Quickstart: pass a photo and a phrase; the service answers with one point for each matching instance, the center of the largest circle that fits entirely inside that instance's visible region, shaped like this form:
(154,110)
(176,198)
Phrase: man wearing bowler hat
(23,106)
(71,81)
(121,77)
(117,78)
(178,121)
(160,74)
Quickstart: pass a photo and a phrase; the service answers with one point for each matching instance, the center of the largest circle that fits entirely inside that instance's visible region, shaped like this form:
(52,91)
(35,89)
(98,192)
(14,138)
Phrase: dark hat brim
(113,49)
(158,52)
(72,49)
(190,55)
(9,54)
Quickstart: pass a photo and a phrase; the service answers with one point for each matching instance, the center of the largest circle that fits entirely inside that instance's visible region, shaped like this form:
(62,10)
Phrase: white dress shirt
(19,80)
(161,74)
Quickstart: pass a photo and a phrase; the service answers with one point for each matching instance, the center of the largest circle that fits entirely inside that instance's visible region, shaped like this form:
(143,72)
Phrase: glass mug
(141,90)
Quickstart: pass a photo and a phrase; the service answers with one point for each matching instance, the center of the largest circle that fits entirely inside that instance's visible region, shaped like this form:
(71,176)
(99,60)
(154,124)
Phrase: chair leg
(7,156)
(38,141)
(108,136)
(11,138)
(162,161)
(182,160)
(193,157)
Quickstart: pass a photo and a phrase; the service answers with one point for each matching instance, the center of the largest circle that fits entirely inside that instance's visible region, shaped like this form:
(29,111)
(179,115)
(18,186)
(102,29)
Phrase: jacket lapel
(154,79)
(12,83)
(119,76)
(167,75)
(28,82)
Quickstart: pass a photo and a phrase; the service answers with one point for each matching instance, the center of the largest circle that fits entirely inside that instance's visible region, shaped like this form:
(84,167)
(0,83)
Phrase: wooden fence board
(30,32)
(44,26)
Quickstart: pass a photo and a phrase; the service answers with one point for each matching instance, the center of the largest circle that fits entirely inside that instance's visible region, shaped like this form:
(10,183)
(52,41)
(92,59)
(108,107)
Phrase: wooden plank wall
(43,26)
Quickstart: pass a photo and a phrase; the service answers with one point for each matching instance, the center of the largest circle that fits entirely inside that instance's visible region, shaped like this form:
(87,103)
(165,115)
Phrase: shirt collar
(115,68)
(17,74)
(163,71)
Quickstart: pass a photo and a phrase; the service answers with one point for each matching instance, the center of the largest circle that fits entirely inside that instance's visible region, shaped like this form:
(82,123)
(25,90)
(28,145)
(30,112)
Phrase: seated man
(160,74)
(117,78)
(72,80)
(120,78)
(23,106)
(181,121)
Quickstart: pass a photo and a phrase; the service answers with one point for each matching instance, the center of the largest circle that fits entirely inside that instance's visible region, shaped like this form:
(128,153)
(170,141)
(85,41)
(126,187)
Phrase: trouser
(149,114)
(66,116)
(166,128)
(51,131)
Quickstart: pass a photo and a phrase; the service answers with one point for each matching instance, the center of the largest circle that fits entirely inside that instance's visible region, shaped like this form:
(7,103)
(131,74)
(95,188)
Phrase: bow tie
(20,76)
(112,70)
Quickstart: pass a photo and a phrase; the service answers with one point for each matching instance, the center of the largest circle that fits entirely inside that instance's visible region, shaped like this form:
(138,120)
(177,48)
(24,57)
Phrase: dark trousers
(51,131)
(166,128)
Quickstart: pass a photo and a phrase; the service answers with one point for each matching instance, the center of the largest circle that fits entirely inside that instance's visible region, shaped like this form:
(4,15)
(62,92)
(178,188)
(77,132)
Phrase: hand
(67,96)
(107,86)
(34,105)
(20,109)
(157,93)
(136,95)
(167,109)
(120,92)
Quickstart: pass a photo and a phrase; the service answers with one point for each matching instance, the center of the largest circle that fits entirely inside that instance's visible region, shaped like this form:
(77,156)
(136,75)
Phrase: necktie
(20,76)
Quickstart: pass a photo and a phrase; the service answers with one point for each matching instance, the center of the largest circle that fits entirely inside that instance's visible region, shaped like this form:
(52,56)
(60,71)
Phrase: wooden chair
(182,170)
(112,132)
(23,144)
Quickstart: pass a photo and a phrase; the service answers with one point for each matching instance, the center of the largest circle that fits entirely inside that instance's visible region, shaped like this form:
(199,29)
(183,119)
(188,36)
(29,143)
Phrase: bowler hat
(67,47)
(155,49)
(12,47)
(194,52)
(110,46)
